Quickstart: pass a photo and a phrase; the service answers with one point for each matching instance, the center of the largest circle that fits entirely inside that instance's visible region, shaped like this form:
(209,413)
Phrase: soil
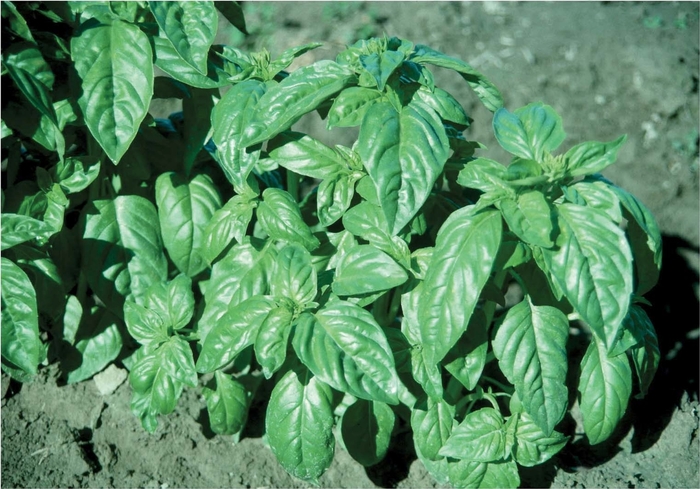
(609,69)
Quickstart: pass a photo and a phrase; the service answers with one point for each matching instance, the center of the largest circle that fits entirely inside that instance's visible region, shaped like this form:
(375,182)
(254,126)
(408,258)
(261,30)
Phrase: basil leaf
(17,229)
(145,326)
(350,106)
(645,355)
(168,60)
(184,209)
(480,437)
(190,27)
(365,269)
(21,345)
(115,65)
(530,217)
(592,157)
(344,346)
(305,155)
(334,197)
(366,428)
(533,446)
(294,276)
(32,75)
(280,217)
(173,302)
(605,387)
(466,360)
(226,225)
(592,265)
(501,474)
(98,342)
(404,153)
(122,249)
(299,424)
(76,174)
(272,339)
(432,422)
(465,250)
(531,132)
(227,405)
(447,107)
(530,345)
(381,66)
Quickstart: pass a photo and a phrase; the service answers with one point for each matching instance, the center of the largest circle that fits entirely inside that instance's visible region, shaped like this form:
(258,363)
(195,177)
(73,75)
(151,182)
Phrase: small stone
(109,379)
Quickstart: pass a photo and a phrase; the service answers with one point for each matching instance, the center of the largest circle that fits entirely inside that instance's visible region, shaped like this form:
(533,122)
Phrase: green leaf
(229,119)
(173,302)
(499,475)
(294,276)
(592,157)
(532,132)
(99,343)
(344,346)
(280,217)
(432,422)
(32,75)
(480,437)
(226,225)
(466,360)
(350,106)
(301,92)
(233,13)
(17,229)
(21,345)
(465,250)
(484,89)
(530,345)
(484,174)
(227,406)
(288,56)
(184,210)
(196,110)
(365,269)
(605,387)
(645,354)
(530,217)
(404,153)
(122,249)
(272,340)
(233,332)
(76,174)
(168,60)
(115,65)
(366,428)
(190,27)
(145,326)
(592,265)
(598,194)
(241,274)
(447,107)
(334,197)
(381,66)
(305,155)
(533,446)
(176,359)
(299,424)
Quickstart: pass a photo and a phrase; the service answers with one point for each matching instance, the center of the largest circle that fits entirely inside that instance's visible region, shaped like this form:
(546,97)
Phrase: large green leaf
(168,60)
(115,65)
(465,250)
(605,387)
(299,424)
(32,75)
(173,301)
(592,266)
(305,155)
(447,107)
(185,207)
(21,345)
(344,346)
(294,276)
(281,218)
(432,422)
(272,339)
(227,405)
(484,89)
(480,437)
(592,157)
(190,27)
(226,225)
(122,249)
(533,446)
(144,325)
(365,269)
(366,428)
(230,119)
(531,132)
(404,153)
(234,331)
(530,345)
(17,229)
(530,217)
(301,92)
(381,66)
(98,342)
(350,105)
(334,196)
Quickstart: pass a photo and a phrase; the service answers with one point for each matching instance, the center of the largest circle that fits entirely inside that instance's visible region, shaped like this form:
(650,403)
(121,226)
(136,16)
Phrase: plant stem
(293,185)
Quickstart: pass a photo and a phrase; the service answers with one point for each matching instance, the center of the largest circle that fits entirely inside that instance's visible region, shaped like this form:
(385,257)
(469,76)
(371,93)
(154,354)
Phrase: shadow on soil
(675,316)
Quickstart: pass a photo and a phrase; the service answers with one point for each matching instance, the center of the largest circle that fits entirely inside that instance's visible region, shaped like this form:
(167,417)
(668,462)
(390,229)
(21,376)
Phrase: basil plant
(221,249)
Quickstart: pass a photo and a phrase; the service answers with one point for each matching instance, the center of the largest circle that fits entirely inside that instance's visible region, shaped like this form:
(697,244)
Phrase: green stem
(293,185)
(503,387)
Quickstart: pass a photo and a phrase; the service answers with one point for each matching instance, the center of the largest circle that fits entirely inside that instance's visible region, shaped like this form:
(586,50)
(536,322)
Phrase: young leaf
(364,270)
(531,132)
(366,428)
(530,345)
(21,345)
(17,229)
(480,437)
(145,326)
(227,406)
(76,174)
(605,387)
(465,250)
(381,66)
(533,446)
(229,118)
(226,225)
(234,331)
(344,346)
(176,359)
(184,209)
(334,197)
(592,265)
(190,27)
(484,89)
(299,424)
(592,157)
(404,153)
(115,65)
(122,249)
(294,276)
(173,302)
(299,93)
(281,218)
(168,60)
(350,105)
(305,155)
(272,339)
